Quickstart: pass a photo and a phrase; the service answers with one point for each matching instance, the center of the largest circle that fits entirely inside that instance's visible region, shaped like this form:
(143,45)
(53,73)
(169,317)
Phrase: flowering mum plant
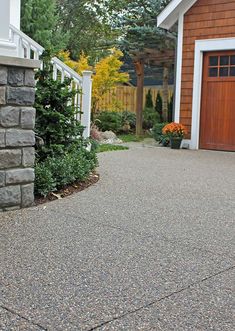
(174,130)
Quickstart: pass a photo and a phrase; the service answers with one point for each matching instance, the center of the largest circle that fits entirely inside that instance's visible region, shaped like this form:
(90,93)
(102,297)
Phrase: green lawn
(110,147)
(127,138)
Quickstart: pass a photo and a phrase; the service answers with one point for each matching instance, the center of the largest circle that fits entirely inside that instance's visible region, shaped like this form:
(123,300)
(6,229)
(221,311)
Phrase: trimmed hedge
(109,121)
(55,173)
(114,121)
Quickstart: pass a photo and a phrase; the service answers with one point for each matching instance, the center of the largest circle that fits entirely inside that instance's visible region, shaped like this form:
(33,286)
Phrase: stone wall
(17,120)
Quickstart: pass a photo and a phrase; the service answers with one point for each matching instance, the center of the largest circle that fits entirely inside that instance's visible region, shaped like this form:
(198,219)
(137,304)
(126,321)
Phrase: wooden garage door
(217,120)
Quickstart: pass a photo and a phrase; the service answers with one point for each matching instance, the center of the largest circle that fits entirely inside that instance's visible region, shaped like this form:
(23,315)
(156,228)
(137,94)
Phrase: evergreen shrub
(109,121)
(150,118)
(158,105)
(55,173)
(63,157)
(55,114)
(170,108)
(115,121)
(158,135)
(149,99)
(130,118)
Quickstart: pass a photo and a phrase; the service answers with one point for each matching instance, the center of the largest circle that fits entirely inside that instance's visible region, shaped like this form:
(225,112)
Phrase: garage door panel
(217,123)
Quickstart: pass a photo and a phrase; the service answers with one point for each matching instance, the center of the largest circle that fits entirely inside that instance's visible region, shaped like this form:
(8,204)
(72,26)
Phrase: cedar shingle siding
(207,19)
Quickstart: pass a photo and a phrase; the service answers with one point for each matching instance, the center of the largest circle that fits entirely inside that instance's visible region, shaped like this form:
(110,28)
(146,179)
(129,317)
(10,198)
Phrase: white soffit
(171,13)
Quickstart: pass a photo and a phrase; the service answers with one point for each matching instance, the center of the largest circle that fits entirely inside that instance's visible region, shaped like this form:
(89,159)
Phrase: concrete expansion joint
(164,238)
(130,312)
(23,317)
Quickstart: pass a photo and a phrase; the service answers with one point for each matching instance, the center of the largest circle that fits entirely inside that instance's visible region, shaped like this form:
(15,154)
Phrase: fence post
(86,102)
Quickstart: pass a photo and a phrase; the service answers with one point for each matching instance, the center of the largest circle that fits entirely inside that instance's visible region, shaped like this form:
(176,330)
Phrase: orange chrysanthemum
(174,129)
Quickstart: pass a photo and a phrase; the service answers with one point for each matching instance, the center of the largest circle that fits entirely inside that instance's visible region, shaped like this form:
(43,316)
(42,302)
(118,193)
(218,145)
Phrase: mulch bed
(68,190)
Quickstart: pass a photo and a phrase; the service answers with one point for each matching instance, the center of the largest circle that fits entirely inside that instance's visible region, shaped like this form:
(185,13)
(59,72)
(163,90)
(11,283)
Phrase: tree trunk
(139,68)
(165,94)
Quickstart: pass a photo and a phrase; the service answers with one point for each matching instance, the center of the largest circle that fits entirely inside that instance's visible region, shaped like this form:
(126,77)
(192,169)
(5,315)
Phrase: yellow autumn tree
(78,66)
(107,76)
(106,73)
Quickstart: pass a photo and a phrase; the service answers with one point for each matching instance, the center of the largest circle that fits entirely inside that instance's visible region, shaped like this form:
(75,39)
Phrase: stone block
(17,176)
(3,75)
(2,95)
(28,118)
(2,138)
(2,178)
(29,78)
(10,158)
(18,138)
(9,116)
(16,76)
(10,196)
(27,195)
(28,157)
(23,96)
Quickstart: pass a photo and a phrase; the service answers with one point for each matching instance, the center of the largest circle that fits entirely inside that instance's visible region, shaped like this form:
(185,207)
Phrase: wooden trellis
(162,58)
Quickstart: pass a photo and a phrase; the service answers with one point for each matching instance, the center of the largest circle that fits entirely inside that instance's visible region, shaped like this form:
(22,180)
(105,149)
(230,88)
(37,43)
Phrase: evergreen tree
(170,108)
(158,106)
(143,41)
(40,22)
(90,26)
(140,28)
(149,100)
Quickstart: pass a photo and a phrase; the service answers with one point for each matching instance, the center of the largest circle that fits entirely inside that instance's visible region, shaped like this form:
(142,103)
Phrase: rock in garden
(109,137)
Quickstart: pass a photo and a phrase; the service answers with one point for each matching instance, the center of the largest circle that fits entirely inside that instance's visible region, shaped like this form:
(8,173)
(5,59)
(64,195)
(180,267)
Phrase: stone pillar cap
(19,62)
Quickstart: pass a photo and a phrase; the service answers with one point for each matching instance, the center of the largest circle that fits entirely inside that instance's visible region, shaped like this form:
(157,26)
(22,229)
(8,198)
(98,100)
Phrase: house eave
(170,15)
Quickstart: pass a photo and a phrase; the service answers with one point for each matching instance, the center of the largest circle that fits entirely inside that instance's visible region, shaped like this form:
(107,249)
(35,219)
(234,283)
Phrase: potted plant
(176,133)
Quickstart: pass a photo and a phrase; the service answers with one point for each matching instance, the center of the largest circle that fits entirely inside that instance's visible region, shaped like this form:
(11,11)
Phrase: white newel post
(7,46)
(86,102)
(15,13)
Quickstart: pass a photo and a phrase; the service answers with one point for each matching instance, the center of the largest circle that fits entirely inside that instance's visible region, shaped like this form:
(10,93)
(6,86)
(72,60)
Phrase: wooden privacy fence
(124,98)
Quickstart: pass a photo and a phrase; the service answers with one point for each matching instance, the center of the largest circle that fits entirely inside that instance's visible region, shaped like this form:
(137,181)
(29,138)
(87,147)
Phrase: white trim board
(184,7)
(179,68)
(201,46)
(169,16)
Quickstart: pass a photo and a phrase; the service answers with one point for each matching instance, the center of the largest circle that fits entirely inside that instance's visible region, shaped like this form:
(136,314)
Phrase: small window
(232,71)
(223,72)
(213,72)
(221,66)
(214,61)
(224,60)
(232,60)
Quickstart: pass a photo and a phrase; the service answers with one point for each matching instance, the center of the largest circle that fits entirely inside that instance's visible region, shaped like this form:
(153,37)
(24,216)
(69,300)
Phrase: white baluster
(36,55)
(28,51)
(79,102)
(62,75)
(21,48)
(54,71)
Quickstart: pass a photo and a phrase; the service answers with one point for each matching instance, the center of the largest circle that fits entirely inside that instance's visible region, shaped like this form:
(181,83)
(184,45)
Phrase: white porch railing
(30,49)
(26,47)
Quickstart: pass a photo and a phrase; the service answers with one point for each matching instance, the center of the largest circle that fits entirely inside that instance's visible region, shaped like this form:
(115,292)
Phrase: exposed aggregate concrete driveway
(149,247)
